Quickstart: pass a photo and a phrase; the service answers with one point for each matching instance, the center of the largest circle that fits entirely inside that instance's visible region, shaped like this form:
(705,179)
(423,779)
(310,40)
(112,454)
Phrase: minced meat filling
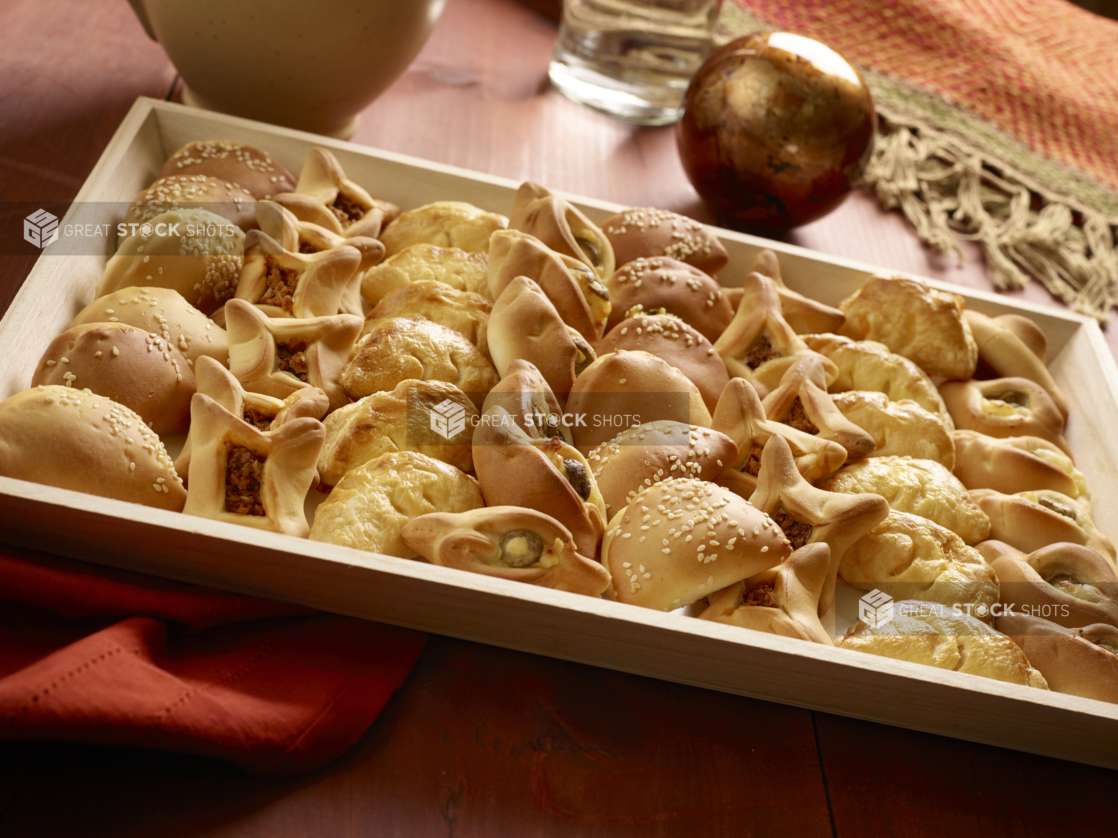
(307,247)
(281,282)
(243,472)
(798,419)
(797,531)
(257,419)
(759,351)
(292,358)
(347,210)
(753,461)
(762,595)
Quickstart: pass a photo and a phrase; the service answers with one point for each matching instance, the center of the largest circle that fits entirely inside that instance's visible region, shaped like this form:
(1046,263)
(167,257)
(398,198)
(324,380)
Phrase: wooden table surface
(482,741)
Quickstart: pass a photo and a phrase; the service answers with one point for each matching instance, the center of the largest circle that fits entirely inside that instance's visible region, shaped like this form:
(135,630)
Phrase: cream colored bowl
(309,64)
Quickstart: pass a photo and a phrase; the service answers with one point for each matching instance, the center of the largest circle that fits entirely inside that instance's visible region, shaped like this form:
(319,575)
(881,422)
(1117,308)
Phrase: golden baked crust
(463,311)
(649,285)
(277,356)
(759,345)
(132,367)
(741,416)
(254,170)
(627,388)
(282,283)
(934,635)
(562,227)
(264,412)
(783,600)
(72,439)
(901,428)
(865,365)
(919,487)
(524,394)
(913,558)
(355,211)
(1019,463)
(1068,584)
(371,505)
(242,475)
(913,320)
(400,348)
(298,235)
(656,451)
(1076,661)
(809,515)
(461,270)
(399,420)
(577,293)
(1002,349)
(507,542)
(526,326)
(177,192)
(644,232)
(444,224)
(193,251)
(1005,407)
(544,474)
(163,312)
(802,401)
(683,539)
(1034,519)
(672,340)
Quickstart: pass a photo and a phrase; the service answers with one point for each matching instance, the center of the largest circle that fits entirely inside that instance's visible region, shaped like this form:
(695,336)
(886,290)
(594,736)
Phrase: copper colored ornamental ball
(776,129)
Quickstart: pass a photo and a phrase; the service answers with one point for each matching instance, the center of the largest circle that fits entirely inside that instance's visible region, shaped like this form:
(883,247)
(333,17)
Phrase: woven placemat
(999,123)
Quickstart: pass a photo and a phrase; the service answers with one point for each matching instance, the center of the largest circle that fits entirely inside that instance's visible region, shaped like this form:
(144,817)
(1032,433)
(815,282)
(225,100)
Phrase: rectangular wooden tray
(502,613)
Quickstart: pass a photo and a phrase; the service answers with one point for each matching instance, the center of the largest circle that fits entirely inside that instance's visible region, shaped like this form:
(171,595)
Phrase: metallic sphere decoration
(776,129)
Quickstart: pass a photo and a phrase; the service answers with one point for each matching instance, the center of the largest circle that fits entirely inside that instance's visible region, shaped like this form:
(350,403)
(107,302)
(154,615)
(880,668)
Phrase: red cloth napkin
(97,655)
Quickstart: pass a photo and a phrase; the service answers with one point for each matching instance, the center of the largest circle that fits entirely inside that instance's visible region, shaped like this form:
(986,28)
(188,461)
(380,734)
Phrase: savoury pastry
(683,539)
(580,297)
(672,340)
(808,515)
(653,452)
(525,395)
(72,439)
(404,419)
(899,429)
(192,251)
(627,388)
(1035,519)
(659,284)
(562,227)
(507,542)
(935,635)
(354,210)
(919,487)
(243,475)
(400,348)
(805,315)
(463,311)
(282,283)
(447,224)
(1076,661)
(1005,407)
(461,270)
(914,320)
(644,232)
(177,192)
(372,504)
(783,600)
(1013,464)
(132,367)
(163,312)
(254,170)
(865,365)
(914,558)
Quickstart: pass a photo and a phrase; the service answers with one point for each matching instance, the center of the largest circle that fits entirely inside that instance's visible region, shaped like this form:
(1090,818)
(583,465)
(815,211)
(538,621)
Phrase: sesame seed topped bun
(248,167)
(682,539)
(642,231)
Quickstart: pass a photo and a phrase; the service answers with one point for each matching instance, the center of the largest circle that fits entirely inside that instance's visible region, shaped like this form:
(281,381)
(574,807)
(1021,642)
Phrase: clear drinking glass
(632,59)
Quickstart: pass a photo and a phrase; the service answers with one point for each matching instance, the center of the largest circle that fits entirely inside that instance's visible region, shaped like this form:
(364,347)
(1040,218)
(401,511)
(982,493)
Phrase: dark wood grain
(481,741)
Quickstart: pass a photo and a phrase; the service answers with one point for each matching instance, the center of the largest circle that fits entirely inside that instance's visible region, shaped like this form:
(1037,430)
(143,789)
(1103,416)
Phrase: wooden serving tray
(503,613)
